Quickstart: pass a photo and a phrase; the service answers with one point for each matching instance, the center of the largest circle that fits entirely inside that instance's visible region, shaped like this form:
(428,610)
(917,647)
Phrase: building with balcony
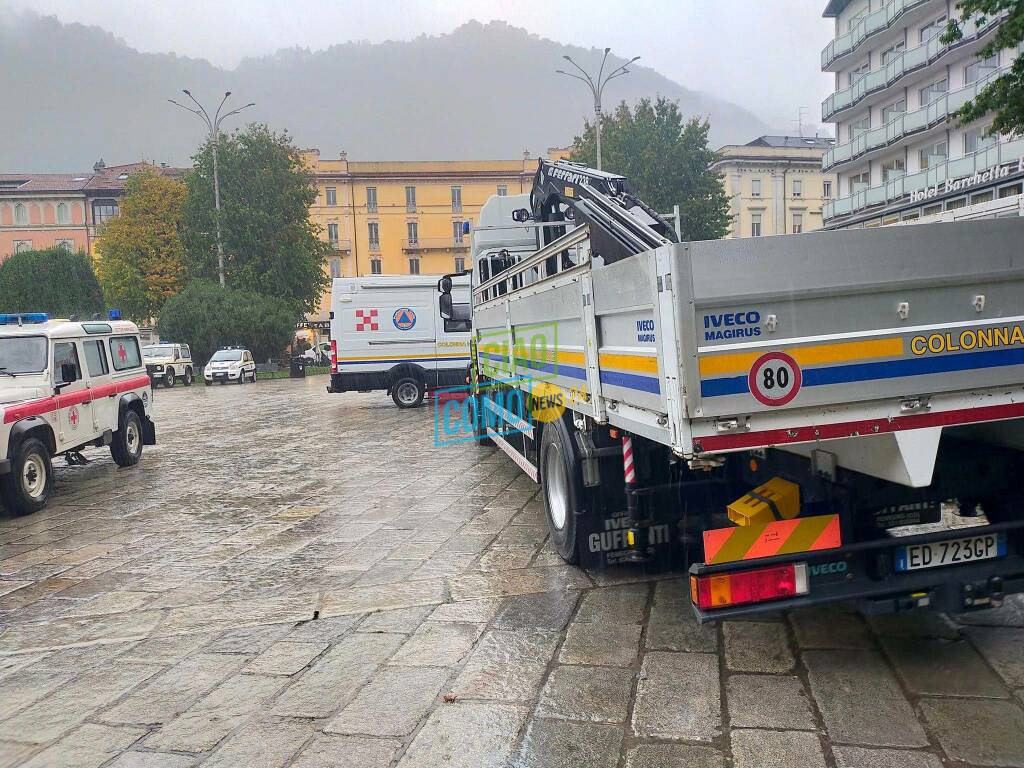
(775,184)
(405,217)
(44,210)
(899,156)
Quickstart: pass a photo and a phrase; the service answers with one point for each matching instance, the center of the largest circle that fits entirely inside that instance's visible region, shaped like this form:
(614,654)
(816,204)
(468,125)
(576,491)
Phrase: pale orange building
(46,210)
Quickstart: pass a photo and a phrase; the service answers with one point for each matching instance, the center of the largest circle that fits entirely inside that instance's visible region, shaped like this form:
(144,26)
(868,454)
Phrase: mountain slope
(482,91)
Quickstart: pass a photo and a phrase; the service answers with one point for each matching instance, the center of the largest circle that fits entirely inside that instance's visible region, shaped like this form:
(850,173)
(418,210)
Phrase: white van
(387,333)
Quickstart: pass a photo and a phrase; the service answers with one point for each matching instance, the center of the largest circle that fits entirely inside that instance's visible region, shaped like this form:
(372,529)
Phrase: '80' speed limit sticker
(774,378)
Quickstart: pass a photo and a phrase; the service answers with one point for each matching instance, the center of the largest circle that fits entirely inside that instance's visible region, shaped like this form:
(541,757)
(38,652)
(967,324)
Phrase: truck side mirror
(444,285)
(445,305)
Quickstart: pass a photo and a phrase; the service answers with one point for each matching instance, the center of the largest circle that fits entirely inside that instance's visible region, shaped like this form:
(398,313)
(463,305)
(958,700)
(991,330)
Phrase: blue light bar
(18,318)
(114,314)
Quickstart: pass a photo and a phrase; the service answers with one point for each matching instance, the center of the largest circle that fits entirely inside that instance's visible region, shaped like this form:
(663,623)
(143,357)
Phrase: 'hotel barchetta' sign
(954,185)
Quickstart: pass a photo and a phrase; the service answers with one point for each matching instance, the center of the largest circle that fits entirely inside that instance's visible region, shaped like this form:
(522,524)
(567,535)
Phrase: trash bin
(298,368)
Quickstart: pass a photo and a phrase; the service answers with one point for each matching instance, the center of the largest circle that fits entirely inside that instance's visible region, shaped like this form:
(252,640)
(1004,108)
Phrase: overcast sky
(761,54)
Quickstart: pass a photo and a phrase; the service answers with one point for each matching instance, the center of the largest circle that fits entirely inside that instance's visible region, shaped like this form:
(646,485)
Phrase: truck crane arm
(621,224)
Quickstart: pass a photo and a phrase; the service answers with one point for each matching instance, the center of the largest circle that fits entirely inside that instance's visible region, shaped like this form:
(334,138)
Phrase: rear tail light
(334,356)
(757,586)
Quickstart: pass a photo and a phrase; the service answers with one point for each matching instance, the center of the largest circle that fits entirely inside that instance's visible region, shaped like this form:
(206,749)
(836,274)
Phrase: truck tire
(188,377)
(126,447)
(560,479)
(408,392)
(28,485)
(169,378)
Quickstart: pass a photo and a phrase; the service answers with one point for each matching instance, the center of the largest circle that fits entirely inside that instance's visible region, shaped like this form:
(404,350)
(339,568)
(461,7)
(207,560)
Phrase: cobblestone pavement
(299,579)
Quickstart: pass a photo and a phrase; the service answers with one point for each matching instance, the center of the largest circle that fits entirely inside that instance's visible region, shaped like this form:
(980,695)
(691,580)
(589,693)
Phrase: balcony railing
(907,123)
(903,63)
(434,244)
(997,154)
(341,244)
(868,25)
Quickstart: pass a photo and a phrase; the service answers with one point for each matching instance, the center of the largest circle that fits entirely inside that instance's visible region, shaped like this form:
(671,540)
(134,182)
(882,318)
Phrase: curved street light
(597,87)
(213,125)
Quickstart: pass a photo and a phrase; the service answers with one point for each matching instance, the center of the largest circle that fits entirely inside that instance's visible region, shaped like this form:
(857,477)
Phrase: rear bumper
(864,573)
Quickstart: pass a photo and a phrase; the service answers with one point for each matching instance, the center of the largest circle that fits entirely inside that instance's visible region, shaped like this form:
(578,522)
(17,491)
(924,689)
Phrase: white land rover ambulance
(387,333)
(66,385)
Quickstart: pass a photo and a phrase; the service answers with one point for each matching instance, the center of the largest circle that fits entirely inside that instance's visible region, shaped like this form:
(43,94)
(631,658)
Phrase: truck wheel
(560,481)
(188,377)
(127,445)
(408,392)
(169,378)
(27,486)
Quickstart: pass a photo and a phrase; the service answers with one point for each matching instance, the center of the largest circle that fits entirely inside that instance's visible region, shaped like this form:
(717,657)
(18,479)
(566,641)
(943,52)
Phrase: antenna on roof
(800,121)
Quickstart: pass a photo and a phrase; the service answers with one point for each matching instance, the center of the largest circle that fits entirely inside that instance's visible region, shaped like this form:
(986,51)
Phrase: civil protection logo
(404,318)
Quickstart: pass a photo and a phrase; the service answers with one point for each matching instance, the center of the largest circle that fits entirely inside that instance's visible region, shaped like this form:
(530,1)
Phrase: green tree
(270,244)
(208,317)
(1004,96)
(141,261)
(667,162)
(53,280)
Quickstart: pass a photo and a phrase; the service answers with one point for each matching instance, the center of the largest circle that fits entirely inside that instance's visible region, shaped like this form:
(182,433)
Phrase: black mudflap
(604,542)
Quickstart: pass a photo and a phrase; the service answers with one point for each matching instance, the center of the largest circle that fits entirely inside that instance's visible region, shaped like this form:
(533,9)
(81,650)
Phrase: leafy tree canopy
(141,259)
(270,244)
(208,317)
(1004,96)
(52,280)
(666,161)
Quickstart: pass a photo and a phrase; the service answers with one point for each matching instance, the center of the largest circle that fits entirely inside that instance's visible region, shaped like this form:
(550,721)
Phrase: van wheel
(188,377)
(408,392)
(127,445)
(169,378)
(560,482)
(28,485)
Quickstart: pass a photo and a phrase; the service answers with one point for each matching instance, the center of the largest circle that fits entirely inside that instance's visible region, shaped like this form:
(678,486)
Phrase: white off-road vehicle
(167,363)
(66,385)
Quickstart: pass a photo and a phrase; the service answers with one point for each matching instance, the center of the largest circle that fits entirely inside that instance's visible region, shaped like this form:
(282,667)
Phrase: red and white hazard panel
(366,320)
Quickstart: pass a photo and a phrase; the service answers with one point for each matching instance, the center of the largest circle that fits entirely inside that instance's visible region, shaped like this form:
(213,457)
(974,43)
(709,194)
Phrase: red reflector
(334,356)
(744,587)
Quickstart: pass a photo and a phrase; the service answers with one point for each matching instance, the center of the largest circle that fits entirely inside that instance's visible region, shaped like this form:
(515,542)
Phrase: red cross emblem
(122,354)
(73,417)
(366,320)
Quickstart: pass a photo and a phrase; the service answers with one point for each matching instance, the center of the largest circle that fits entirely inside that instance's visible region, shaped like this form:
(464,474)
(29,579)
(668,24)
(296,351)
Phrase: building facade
(44,210)
(899,156)
(775,185)
(405,217)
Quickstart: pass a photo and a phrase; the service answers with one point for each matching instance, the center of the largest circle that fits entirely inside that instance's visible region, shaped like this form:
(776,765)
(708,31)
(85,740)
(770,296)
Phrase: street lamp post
(213,124)
(597,88)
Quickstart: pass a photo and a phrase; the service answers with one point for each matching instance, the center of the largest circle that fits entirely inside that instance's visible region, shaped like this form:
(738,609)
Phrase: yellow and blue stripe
(847,362)
(638,372)
(392,358)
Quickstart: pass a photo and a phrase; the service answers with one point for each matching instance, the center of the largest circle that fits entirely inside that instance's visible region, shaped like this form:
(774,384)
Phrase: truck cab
(66,385)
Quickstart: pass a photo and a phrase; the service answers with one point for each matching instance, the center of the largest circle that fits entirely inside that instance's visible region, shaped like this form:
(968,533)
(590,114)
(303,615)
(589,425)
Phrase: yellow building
(405,217)
(775,185)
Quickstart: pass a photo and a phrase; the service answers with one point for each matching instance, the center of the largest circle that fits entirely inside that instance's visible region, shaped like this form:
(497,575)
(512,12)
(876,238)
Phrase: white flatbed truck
(874,377)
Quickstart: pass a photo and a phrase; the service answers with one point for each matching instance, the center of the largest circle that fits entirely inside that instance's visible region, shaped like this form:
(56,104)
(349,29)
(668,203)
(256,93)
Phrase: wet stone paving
(292,578)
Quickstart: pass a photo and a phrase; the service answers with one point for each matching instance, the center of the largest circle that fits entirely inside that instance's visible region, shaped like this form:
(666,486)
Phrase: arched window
(20,214)
(63,214)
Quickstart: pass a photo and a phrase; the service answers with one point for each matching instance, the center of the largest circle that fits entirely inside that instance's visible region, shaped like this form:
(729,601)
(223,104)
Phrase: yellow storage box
(777,499)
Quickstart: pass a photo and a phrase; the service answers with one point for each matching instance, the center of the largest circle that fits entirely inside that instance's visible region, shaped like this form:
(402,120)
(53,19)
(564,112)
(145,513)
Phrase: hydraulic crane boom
(621,224)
